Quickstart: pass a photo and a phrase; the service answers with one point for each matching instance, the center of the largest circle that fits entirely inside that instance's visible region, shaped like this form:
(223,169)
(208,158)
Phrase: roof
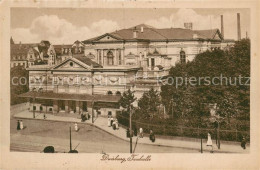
(150,33)
(40,67)
(67,96)
(19,49)
(86,60)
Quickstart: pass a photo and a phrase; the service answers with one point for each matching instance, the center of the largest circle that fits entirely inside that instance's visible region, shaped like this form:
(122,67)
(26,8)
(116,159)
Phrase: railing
(169,130)
(152,73)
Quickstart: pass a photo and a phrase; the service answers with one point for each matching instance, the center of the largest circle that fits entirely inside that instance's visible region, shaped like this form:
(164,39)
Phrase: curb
(181,147)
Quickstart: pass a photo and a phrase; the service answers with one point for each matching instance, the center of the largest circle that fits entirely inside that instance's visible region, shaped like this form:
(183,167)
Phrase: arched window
(183,57)
(118,93)
(109,92)
(110,58)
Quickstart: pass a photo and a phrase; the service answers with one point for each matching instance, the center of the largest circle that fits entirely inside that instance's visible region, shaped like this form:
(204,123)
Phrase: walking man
(18,125)
(152,136)
(243,143)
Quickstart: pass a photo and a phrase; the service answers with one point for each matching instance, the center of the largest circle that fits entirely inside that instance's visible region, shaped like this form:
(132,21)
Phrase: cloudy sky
(64,26)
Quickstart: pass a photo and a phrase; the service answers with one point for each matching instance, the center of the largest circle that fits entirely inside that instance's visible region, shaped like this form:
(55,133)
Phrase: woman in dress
(209,142)
(141,132)
(76,127)
(21,124)
(116,124)
(109,122)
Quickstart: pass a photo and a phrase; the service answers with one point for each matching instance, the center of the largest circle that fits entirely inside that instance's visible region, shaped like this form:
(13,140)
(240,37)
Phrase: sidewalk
(101,123)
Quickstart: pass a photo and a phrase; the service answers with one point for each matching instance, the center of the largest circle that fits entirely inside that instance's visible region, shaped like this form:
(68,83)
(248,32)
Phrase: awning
(67,96)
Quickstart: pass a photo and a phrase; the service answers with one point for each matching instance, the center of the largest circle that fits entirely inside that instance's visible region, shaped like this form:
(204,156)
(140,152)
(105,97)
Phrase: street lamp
(130,127)
(93,102)
(218,120)
(34,95)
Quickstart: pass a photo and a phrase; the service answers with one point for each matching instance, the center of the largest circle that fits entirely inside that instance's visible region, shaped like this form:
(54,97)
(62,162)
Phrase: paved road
(38,134)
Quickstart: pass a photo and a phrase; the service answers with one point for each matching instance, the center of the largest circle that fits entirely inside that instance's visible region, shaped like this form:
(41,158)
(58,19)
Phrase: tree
(149,103)
(127,99)
(232,100)
(19,84)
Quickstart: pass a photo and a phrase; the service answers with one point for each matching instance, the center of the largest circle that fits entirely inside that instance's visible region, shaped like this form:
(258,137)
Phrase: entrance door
(152,63)
(73,106)
(62,105)
(84,107)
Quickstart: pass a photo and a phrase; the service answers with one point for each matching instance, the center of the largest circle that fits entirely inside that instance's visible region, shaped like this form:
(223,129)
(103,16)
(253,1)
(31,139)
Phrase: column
(77,107)
(55,106)
(66,106)
(122,57)
(102,57)
(115,58)
(97,52)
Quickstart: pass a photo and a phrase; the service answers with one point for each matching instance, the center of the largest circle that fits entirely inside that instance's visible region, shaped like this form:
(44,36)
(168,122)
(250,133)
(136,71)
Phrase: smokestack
(222,26)
(238,27)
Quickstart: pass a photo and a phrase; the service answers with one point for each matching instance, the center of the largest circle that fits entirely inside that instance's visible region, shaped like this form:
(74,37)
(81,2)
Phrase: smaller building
(23,55)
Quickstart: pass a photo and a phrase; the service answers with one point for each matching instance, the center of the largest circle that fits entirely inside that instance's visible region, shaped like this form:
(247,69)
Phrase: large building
(91,75)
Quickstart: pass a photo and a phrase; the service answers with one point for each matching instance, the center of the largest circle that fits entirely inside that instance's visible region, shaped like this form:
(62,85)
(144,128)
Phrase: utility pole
(70,140)
(172,107)
(218,136)
(34,94)
(201,149)
(93,101)
(46,92)
(130,127)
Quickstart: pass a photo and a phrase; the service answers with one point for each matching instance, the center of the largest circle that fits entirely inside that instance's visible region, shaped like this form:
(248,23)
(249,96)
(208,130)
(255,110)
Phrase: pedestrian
(117,127)
(18,125)
(209,142)
(152,136)
(76,127)
(44,116)
(109,122)
(243,143)
(135,131)
(21,124)
(114,125)
(128,133)
(141,132)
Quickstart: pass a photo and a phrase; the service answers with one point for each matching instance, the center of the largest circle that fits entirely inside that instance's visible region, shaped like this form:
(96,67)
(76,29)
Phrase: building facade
(90,76)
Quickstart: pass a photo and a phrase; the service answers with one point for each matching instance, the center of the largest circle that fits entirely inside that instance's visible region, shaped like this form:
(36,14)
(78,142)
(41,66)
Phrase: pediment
(107,37)
(72,64)
(217,36)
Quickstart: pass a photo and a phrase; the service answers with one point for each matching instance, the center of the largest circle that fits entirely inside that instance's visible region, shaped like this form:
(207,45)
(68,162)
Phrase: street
(39,134)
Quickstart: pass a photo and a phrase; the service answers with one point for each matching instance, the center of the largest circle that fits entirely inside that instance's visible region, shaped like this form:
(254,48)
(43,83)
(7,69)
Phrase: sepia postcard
(129,84)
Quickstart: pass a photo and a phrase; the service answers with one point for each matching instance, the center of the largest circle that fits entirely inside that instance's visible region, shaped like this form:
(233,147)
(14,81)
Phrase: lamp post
(34,95)
(93,102)
(218,120)
(130,127)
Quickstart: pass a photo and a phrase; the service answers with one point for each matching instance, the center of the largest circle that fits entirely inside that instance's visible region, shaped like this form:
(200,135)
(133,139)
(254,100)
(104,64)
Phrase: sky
(66,25)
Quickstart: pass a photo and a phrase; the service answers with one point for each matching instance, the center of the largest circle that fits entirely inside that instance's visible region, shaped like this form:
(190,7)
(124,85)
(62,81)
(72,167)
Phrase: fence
(169,130)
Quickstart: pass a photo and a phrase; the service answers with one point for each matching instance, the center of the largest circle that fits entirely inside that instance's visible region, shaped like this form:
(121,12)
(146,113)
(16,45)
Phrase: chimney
(142,29)
(188,25)
(238,27)
(222,26)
